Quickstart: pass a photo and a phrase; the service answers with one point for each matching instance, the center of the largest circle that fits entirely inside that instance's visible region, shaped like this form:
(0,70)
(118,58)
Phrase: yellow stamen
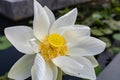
(56,40)
(53,46)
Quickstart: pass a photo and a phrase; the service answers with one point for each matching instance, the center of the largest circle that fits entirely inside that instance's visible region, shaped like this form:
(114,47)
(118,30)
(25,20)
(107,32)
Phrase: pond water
(8,58)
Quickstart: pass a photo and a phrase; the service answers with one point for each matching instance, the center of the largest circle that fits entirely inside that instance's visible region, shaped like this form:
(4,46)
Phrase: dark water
(8,58)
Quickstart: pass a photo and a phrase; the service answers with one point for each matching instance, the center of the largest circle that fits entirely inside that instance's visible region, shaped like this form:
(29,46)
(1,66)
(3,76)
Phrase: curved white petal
(39,66)
(54,70)
(76,66)
(92,60)
(76,32)
(33,73)
(86,46)
(49,73)
(41,22)
(63,29)
(35,45)
(50,15)
(66,20)
(21,69)
(44,71)
(19,36)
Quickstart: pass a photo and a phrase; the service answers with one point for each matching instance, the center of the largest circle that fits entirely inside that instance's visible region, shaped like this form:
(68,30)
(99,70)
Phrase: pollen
(56,40)
(52,46)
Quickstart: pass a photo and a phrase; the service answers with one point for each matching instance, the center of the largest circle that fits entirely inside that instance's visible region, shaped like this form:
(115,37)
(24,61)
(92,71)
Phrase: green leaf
(117,36)
(106,40)
(105,14)
(114,50)
(96,16)
(88,21)
(97,32)
(106,31)
(4,43)
(117,10)
(98,22)
(98,70)
(64,11)
(114,25)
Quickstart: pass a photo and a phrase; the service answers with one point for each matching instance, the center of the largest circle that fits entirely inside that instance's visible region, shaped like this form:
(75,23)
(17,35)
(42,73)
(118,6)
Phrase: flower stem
(59,74)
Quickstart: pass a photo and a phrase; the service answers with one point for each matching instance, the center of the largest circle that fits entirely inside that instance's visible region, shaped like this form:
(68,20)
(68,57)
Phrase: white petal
(39,67)
(54,70)
(35,45)
(22,68)
(41,22)
(63,29)
(49,73)
(19,36)
(50,15)
(66,20)
(76,32)
(76,66)
(33,73)
(44,71)
(86,46)
(92,60)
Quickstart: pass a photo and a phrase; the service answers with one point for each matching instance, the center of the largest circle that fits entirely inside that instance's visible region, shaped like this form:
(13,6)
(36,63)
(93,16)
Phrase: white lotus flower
(52,44)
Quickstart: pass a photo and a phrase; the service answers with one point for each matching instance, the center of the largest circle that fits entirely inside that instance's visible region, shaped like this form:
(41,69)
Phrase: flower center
(52,46)
(56,40)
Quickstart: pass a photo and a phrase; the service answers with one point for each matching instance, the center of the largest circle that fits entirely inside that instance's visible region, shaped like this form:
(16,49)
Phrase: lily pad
(107,31)
(106,40)
(117,10)
(97,32)
(4,43)
(98,22)
(96,16)
(117,36)
(114,50)
(114,25)
(88,21)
